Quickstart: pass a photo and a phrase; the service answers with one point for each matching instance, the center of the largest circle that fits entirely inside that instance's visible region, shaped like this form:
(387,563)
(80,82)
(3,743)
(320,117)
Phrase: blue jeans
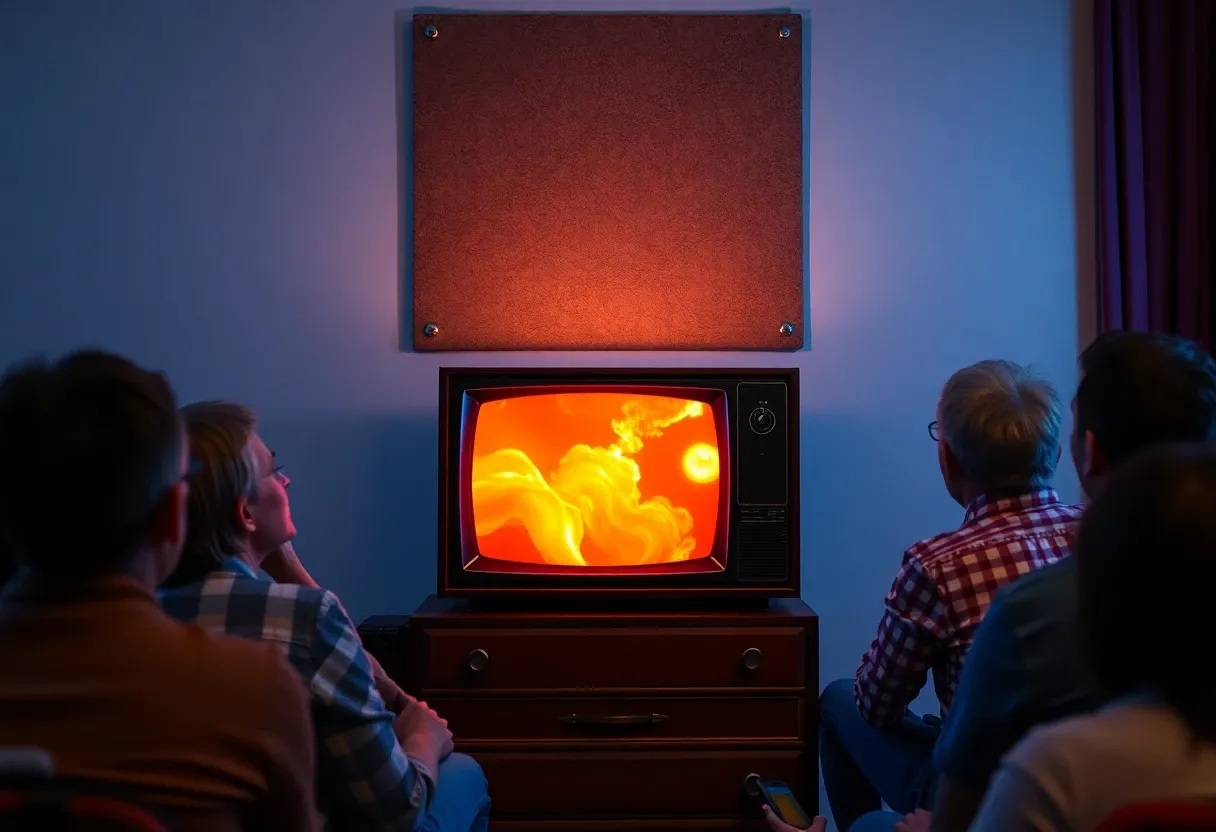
(462,801)
(876,822)
(864,765)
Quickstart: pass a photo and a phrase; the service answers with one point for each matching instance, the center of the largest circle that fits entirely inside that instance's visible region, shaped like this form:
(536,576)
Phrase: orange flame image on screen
(595,479)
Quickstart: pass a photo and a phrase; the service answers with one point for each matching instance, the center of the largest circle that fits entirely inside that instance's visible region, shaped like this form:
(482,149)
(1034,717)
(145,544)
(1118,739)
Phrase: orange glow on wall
(595,479)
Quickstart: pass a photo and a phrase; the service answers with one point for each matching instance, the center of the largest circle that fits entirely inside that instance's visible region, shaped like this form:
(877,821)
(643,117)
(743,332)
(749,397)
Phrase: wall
(212,188)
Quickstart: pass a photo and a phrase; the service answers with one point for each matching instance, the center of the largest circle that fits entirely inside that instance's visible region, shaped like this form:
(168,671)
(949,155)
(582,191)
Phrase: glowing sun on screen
(701,463)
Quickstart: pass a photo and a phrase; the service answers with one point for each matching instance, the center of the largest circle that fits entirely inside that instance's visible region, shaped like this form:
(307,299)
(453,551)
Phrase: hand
(918,821)
(424,733)
(778,825)
(284,567)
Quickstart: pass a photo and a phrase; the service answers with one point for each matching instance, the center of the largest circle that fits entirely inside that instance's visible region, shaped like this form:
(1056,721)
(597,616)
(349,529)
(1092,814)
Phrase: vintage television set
(660,484)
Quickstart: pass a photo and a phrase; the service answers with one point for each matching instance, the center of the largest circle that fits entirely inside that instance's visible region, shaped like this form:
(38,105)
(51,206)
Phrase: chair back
(40,809)
(1163,816)
(32,799)
(32,762)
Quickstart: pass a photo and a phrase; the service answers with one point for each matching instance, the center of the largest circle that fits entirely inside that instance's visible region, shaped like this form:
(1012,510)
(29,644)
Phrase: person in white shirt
(1146,574)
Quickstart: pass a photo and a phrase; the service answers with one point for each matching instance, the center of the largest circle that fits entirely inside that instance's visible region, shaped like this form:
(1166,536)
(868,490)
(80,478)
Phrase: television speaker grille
(763,544)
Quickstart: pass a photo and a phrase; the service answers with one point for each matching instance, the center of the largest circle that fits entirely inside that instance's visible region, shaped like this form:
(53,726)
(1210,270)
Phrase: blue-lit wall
(213,188)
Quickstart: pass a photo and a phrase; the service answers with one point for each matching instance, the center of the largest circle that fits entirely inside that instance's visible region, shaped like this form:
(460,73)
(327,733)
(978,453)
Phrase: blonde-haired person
(378,770)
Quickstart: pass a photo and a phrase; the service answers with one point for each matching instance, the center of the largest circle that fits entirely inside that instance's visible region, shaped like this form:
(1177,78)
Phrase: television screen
(611,483)
(596,479)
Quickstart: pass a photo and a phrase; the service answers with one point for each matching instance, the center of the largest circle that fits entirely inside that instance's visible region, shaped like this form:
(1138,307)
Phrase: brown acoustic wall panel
(607,181)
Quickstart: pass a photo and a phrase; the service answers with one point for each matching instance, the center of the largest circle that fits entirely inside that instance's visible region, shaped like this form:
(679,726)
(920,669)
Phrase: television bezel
(660,582)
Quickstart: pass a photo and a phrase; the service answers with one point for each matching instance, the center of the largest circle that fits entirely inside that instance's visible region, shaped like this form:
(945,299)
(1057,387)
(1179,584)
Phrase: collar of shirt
(986,506)
(236,566)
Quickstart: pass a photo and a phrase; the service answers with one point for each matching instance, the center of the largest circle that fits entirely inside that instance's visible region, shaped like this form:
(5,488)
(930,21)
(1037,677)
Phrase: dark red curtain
(1156,181)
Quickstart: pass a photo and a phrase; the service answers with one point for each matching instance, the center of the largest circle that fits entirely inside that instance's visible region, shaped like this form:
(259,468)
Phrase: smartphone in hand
(780,798)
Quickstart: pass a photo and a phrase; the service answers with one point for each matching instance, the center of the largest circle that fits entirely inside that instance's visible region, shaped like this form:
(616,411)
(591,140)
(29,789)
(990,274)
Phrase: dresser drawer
(622,784)
(613,659)
(485,722)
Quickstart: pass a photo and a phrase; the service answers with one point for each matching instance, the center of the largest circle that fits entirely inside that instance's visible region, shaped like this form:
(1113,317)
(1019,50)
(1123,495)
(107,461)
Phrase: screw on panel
(783,32)
(430,330)
(787,329)
(432,32)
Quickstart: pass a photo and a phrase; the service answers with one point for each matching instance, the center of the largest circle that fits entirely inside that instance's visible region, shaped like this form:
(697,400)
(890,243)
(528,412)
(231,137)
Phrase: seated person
(374,772)
(211,733)
(998,434)
(1136,390)
(1146,565)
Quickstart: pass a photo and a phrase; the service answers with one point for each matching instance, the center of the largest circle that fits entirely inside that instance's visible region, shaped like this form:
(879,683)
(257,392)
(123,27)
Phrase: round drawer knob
(478,660)
(751,785)
(752,657)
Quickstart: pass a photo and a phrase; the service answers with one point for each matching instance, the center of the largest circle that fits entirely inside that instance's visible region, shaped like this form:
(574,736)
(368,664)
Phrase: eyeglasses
(934,433)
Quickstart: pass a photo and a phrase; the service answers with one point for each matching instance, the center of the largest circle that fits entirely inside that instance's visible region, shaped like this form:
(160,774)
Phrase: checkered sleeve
(910,635)
(376,785)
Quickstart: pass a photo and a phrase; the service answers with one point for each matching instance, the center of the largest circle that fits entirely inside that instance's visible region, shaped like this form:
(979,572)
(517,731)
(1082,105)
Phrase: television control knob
(752,657)
(478,660)
(762,420)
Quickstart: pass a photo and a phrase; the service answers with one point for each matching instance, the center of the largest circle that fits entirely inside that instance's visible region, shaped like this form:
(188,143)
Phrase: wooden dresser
(613,721)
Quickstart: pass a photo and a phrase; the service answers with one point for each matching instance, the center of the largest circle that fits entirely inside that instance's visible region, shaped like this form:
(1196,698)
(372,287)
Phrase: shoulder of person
(945,554)
(266,700)
(230,668)
(252,607)
(1047,583)
(929,546)
(314,616)
(303,604)
(305,596)
(1123,730)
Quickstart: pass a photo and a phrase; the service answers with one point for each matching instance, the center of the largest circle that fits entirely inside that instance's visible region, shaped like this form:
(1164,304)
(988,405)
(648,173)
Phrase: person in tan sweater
(209,732)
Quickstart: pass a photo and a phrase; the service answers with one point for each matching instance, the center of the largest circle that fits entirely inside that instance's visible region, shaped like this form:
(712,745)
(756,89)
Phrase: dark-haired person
(377,770)
(998,443)
(1145,568)
(211,733)
(1136,390)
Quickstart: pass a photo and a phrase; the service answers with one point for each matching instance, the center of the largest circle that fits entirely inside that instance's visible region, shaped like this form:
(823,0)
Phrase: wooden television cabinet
(642,721)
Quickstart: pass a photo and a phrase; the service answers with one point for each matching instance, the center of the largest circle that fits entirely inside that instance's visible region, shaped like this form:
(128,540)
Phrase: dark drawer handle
(478,660)
(752,657)
(623,721)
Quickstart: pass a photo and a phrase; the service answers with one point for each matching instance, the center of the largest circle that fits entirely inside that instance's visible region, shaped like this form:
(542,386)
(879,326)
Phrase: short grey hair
(1002,423)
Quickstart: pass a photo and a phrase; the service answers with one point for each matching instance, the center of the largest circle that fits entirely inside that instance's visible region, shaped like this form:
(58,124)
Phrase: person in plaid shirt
(998,442)
(376,770)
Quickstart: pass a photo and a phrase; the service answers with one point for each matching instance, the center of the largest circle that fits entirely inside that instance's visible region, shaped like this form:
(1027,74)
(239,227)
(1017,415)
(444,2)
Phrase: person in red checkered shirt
(998,439)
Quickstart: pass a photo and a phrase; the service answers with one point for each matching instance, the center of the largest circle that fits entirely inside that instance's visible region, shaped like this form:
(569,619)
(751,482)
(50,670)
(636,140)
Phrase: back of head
(89,446)
(1146,565)
(1140,389)
(1002,423)
(226,473)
